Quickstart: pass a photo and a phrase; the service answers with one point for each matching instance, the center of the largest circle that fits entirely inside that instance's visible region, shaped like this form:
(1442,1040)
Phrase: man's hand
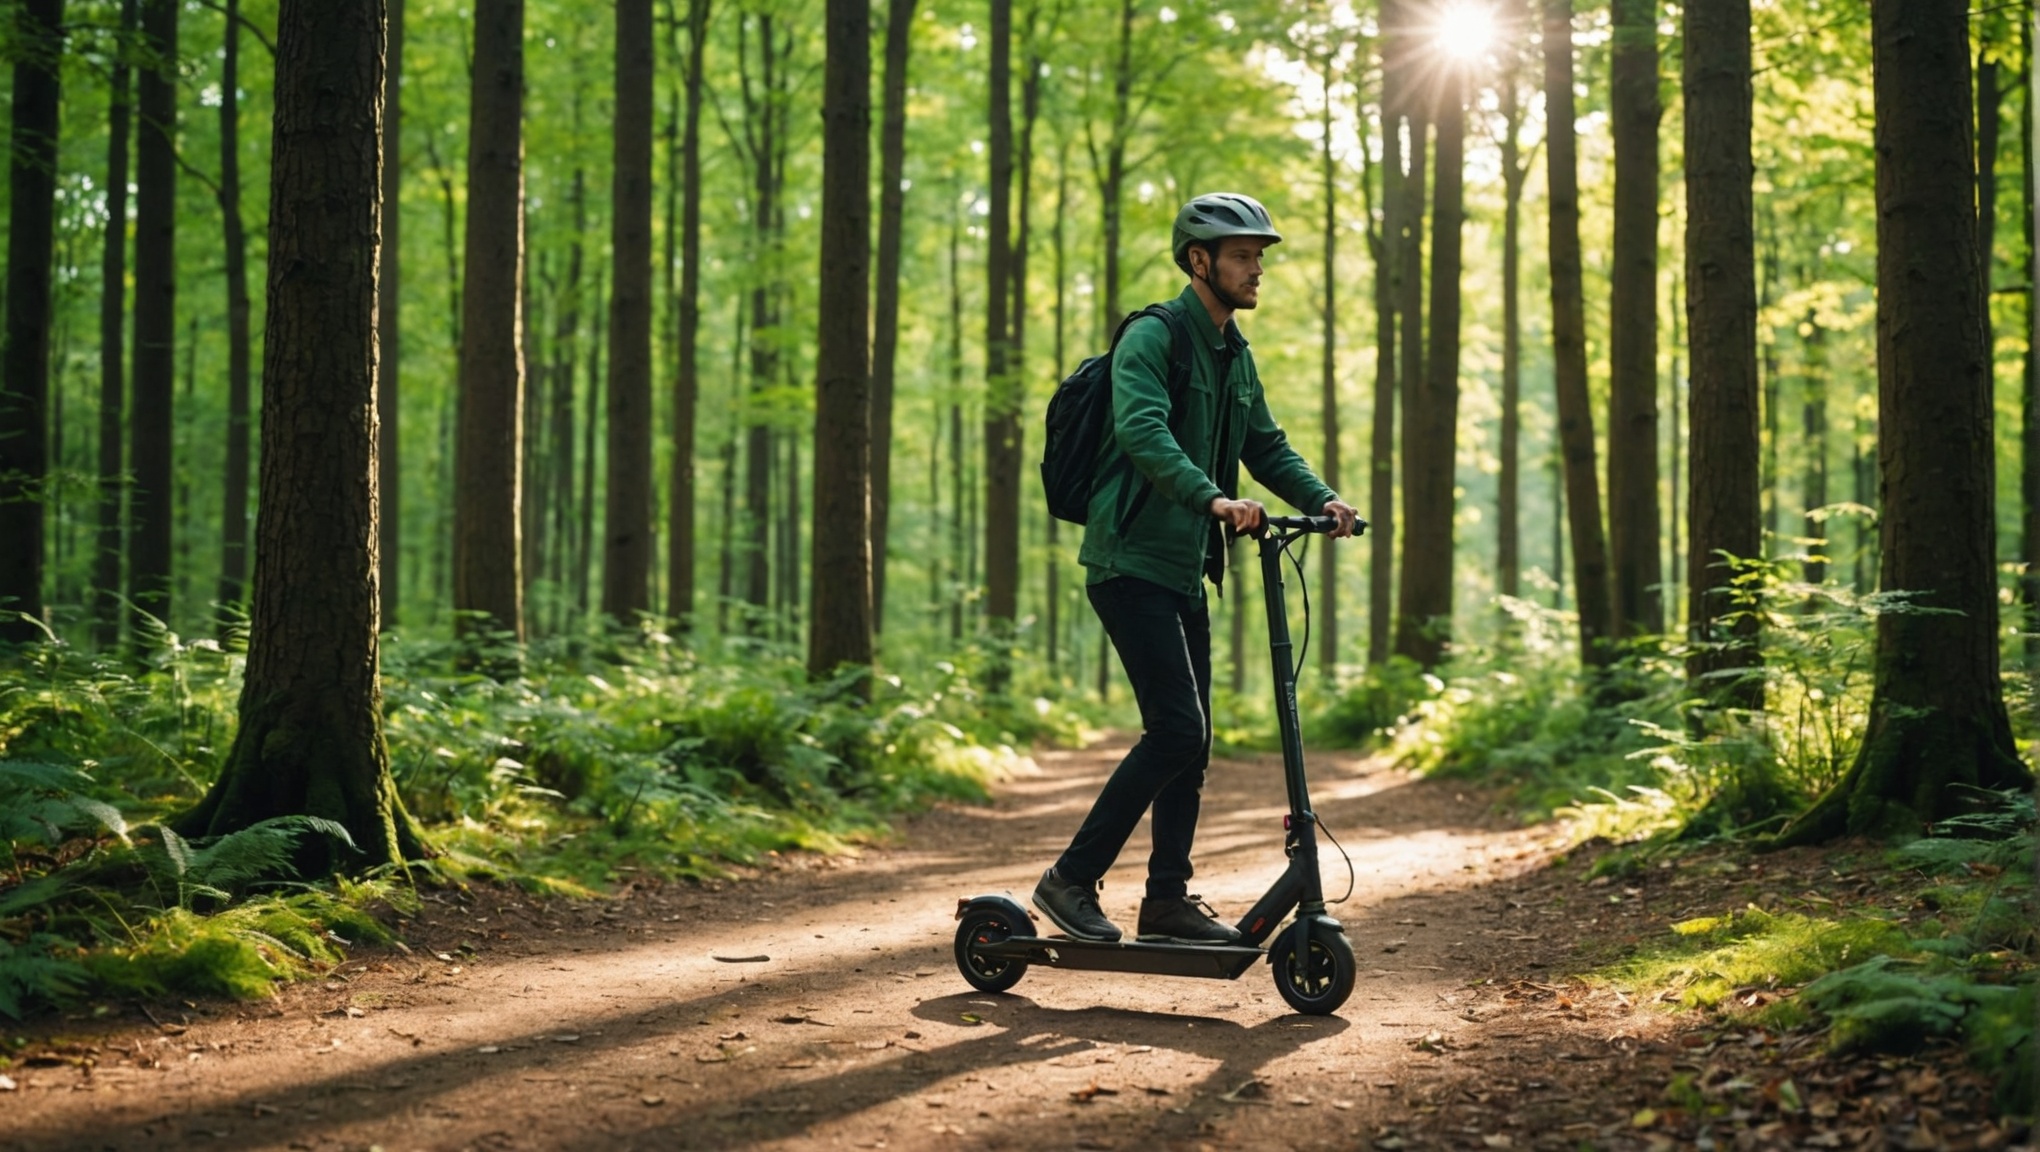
(1347,514)
(1244,515)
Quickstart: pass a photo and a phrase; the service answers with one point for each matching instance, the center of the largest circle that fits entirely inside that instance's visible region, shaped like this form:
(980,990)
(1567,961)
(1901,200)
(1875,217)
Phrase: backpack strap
(1178,379)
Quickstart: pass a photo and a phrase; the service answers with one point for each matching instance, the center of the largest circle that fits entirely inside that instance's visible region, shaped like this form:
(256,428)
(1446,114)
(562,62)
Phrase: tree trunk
(310,740)
(1508,498)
(1016,268)
(24,390)
(627,495)
(486,577)
(1634,535)
(1057,234)
(1328,374)
(1938,728)
(112,369)
(1386,247)
(234,510)
(565,361)
(892,197)
(957,529)
(1111,174)
(1415,104)
(2029,404)
(687,382)
(1569,343)
(1989,102)
(1002,394)
(1814,426)
(150,508)
(389,317)
(840,614)
(591,420)
(1433,412)
(1723,456)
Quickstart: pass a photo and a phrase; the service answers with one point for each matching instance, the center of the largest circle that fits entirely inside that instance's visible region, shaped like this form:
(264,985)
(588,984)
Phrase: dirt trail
(817,1005)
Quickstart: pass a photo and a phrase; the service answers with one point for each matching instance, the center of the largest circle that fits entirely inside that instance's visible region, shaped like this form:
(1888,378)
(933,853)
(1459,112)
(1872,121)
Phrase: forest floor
(814,1003)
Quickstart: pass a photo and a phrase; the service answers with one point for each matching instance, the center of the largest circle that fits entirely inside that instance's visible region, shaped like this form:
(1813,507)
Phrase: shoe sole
(1073,933)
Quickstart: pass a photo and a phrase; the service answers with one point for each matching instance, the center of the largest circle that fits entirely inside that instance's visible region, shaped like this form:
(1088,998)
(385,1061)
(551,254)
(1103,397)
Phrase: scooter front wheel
(1318,981)
(985,973)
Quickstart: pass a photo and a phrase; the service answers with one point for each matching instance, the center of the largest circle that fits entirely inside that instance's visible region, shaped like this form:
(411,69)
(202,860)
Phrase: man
(1168,474)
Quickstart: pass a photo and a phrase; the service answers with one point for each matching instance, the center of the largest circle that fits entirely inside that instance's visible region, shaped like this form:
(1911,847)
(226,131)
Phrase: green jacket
(1150,513)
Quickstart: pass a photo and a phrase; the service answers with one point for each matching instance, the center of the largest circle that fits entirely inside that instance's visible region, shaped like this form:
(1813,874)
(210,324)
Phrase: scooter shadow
(1028,1032)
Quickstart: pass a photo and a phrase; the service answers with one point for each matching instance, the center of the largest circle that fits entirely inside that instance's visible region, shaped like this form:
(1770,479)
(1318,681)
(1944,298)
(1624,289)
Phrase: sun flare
(1463,29)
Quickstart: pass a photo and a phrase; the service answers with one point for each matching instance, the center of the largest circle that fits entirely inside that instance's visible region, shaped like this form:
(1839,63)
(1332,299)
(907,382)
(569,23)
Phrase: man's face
(1237,270)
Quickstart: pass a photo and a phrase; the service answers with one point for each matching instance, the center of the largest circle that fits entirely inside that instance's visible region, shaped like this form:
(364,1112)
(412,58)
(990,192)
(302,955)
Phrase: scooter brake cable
(1303,585)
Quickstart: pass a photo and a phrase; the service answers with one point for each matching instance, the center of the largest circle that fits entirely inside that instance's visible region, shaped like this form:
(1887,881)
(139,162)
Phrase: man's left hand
(1347,514)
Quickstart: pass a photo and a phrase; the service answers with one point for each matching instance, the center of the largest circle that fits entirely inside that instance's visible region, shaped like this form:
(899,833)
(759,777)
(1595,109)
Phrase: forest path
(843,1022)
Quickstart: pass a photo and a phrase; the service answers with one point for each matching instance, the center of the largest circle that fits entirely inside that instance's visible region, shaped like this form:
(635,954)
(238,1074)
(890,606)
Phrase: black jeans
(1164,642)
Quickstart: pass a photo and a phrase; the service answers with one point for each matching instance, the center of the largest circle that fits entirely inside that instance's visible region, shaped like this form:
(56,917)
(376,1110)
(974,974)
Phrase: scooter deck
(1200,960)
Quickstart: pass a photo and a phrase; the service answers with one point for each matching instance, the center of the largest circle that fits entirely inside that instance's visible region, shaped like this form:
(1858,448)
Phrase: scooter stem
(1302,821)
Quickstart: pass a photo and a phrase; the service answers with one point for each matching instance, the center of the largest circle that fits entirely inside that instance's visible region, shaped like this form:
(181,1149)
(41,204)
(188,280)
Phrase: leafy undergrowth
(1932,948)
(604,759)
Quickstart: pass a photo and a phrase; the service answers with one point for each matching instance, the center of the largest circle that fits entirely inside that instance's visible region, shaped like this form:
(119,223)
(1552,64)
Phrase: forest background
(625,674)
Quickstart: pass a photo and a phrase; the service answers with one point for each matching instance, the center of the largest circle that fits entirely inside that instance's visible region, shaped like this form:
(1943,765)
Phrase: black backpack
(1079,409)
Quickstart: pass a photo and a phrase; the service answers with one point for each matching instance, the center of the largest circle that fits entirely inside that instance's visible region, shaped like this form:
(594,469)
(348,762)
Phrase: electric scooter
(996,939)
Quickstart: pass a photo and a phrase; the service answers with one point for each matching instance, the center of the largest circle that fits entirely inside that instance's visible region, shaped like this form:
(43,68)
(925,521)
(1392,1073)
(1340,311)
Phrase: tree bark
(627,495)
(839,631)
(1415,104)
(1433,412)
(1328,368)
(1814,426)
(1634,534)
(1002,394)
(310,740)
(892,150)
(389,320)
(1724,455)
(234,508)
(1508,497)
(1386,245)
(687,382)
(1569,342)
(112,353)
(150,509)
(31,240)
(2029,404)
(1938,728)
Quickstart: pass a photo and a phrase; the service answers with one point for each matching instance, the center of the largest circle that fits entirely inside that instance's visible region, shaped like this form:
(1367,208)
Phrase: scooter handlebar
(1308,525)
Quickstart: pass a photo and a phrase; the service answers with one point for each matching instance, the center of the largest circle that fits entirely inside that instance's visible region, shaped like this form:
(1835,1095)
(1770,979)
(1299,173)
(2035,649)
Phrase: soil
(815,1003)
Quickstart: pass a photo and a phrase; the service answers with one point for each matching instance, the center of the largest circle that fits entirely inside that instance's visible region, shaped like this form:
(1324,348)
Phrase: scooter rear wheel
(1317,982)
(985,973)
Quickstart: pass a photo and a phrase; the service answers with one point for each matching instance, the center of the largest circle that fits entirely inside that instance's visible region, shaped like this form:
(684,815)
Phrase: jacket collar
(1230,338)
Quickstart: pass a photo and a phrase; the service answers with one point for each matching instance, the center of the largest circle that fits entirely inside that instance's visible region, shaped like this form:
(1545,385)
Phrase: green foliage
(1708,958)
(1889,1005)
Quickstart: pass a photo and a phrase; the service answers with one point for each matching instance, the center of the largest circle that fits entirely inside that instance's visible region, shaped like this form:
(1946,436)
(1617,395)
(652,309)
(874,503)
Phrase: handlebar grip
(1311,524)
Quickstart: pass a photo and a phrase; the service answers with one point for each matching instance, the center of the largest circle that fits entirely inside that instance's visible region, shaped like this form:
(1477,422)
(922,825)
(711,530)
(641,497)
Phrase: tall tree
(1417,98)
(1569,340)
(687,381)
(112,354)
(155,336)
(1328,359)
(1634,537)
(840,596)
(1431,414)
(1515,173)
(389,357)
(1386,248)
(1938,727)
(488,586)
(1724,459)
(25,385)
(1002,391)
(2029,404)
(892,199)
(310,739)
(627,513)
(234,507)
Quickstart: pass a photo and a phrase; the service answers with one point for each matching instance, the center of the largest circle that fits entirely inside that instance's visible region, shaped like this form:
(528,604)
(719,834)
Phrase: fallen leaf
(1091,1092)
(1433,1042)
(727,1037)
(1390,1144)
(1155,1091)
(566,1038)
(1251,1092)
(1499,1140)
(972,1018)
(1644,1118)
(711,1058)
(758,959)
(912,1035)
(489,1049)
(1300,1101)
(7,1084)
(652,1101)
(1394,945)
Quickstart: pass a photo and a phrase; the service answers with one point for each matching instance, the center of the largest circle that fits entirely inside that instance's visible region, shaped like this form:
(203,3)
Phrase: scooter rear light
(1286,826)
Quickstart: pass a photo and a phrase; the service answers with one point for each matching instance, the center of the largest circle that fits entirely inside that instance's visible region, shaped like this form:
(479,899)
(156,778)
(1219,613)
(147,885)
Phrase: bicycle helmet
(1214,216)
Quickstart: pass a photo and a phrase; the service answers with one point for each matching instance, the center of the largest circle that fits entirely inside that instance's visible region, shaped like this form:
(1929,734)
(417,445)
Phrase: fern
(32,973)
(231,865)
(47,802)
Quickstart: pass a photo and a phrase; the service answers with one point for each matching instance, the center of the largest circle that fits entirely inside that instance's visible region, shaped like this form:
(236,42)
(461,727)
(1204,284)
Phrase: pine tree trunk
(1938,728)
(2029,403)
(25,387)
(1112,175)
(1508,499)
(310,740)
(1432,414)
(627,495)
(839,629)
(112,354)
(687,382)
(1416,104)
(892,149)
(1989,107)
(1634,536)
(1569,344)
(234,510)
(1002,401)
(150,421)
(389,318)
(1814,426)
(1723,458)
(591,422)
(486,550)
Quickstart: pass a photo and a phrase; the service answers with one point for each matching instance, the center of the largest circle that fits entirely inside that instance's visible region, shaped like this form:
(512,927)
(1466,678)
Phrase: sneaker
(1074,908)
(1183,920)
